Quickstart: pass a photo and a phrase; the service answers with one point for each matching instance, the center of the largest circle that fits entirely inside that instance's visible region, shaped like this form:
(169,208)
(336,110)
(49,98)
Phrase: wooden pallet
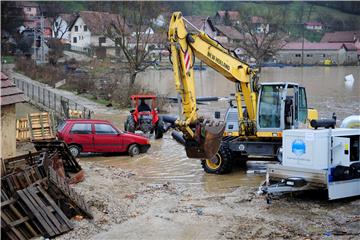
(15,222)
(41,126)
(69,162)
(46,213)
(22,130)
(59,187)
(10,165)
(20,180)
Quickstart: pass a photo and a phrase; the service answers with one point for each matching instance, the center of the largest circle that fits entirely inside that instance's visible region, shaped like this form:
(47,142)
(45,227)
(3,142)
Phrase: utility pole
(39,51)
(302,46)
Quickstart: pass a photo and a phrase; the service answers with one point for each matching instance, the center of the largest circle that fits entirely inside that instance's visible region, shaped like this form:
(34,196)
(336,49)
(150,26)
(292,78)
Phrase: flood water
(166,160)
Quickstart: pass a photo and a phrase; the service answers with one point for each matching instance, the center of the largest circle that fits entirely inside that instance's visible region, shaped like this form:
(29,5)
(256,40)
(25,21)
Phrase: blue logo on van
(298,147)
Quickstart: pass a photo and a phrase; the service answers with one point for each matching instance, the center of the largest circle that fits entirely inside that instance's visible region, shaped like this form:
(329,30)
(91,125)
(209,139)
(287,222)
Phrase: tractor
(144,116)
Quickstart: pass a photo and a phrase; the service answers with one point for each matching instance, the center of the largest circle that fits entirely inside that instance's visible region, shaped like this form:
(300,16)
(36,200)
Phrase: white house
(89,29)
(61,26)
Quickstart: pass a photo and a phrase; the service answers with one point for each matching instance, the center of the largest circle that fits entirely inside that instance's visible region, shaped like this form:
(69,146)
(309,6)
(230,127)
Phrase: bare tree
(129,32)
(263,37)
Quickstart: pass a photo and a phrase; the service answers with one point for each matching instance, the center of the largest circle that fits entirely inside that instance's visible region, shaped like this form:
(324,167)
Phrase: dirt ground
(125,208)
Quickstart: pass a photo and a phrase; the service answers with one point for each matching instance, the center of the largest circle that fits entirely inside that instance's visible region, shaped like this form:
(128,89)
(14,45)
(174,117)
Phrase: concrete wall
(316,57)
(8,131)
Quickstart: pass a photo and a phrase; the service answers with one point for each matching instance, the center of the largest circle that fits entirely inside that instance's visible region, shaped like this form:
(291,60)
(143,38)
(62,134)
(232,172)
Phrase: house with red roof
(202,23)
(10,96)
(344,37)
(341,37)
(227,17)
(316,53)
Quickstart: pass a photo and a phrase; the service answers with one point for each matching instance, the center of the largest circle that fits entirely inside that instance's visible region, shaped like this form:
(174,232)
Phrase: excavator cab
(280,106)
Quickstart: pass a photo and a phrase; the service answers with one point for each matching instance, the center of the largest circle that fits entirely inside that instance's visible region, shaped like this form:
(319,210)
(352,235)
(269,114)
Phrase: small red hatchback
(100,136)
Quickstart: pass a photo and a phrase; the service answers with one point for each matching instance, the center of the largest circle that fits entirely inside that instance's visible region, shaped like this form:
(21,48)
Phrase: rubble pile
(36,196)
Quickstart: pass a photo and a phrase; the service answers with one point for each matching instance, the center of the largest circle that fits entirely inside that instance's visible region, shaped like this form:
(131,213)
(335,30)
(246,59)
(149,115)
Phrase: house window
(28,9)
(323,55)
(56,24)
(76,28)
(74,40)
(297,55)
(309,55)
(102,40)
(85,28)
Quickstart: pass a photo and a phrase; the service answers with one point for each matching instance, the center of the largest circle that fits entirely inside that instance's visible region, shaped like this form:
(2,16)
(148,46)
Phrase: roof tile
(10,94)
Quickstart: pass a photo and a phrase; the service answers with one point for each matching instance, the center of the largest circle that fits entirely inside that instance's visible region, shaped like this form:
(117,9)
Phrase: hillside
(332,15)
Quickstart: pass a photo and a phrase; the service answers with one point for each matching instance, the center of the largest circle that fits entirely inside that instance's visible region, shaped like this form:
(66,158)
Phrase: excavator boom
(203,138)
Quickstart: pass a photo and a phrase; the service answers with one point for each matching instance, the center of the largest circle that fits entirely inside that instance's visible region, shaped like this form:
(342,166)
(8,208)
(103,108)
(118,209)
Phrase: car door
(107,138)
(81,133)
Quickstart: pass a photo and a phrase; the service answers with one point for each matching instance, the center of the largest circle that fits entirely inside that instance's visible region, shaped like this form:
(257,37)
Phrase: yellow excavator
(253,126)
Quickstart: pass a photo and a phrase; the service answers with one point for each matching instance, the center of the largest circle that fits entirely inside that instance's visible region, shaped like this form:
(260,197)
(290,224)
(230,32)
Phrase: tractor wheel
(221,163)
(130,124)
(159,129)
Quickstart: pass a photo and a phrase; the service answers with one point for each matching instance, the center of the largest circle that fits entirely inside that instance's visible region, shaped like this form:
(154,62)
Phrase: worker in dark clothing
(143,107)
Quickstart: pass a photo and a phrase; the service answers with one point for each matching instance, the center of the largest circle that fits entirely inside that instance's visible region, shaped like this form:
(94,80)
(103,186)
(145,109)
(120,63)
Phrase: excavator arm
(203,138)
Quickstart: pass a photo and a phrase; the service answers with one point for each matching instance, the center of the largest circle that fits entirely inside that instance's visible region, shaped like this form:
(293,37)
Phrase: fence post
(33,91)
(44,96)
(39,94)
(49,99)
(55,103)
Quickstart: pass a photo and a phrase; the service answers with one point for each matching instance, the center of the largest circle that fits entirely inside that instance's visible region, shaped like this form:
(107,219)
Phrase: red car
(89,135)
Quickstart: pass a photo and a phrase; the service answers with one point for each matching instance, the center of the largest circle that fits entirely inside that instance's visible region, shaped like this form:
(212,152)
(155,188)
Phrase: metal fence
(49,100)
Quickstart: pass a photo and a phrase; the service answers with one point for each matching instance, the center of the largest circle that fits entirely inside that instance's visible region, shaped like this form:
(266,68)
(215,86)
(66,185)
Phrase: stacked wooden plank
(41,126)
(22,130)
(35,194)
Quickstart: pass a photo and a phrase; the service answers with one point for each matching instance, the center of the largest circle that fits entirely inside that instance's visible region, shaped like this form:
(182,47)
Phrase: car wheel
(75,150)
(134,150)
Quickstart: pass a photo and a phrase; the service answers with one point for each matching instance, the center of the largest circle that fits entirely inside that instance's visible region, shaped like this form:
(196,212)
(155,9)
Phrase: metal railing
(51,101)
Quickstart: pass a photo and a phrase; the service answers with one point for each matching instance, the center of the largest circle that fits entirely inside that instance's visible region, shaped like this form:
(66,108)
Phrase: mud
(125,208)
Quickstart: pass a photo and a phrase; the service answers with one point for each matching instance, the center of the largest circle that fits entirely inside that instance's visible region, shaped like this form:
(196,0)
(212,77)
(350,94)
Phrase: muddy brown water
(166,160)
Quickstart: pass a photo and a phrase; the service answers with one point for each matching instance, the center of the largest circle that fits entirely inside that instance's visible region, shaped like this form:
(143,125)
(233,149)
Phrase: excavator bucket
(207,143)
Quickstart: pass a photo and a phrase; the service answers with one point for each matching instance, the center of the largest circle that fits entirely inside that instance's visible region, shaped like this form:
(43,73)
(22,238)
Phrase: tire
(75,150)
(223,164)
(159,130)
(134,150)
(130,124)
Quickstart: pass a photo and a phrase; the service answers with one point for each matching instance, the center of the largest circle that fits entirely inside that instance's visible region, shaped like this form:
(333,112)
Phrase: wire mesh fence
(51,101)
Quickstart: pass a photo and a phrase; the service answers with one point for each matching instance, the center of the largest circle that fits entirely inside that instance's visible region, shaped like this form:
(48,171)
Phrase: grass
(8,59)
